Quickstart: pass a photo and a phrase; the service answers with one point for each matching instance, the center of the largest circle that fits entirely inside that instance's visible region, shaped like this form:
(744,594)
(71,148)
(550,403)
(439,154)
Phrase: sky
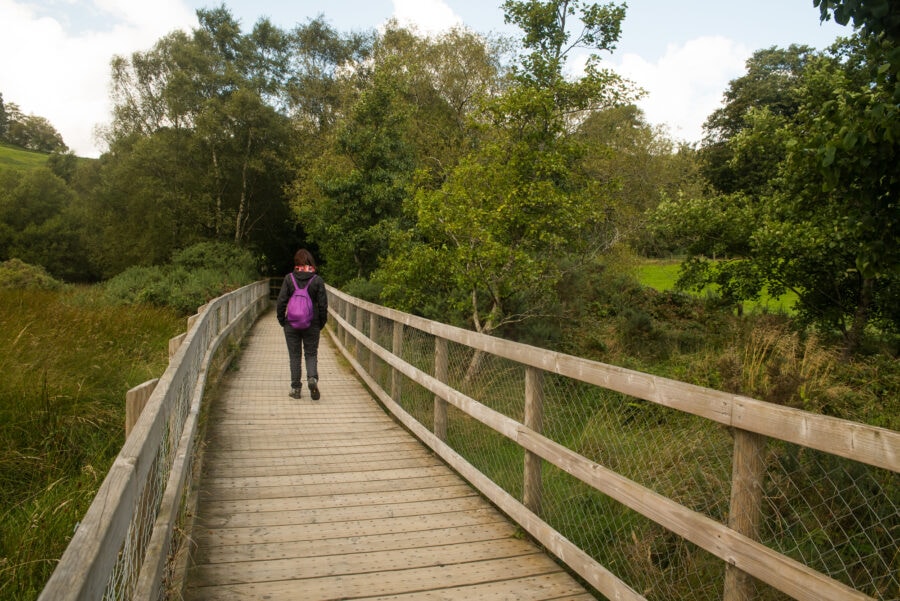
(55,54)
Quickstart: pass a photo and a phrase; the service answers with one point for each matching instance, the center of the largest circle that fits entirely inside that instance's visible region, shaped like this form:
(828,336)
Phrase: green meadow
(662,274)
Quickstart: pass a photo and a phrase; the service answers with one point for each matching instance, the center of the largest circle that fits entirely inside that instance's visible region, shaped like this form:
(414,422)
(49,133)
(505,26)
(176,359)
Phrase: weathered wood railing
(121,548)
(409,364)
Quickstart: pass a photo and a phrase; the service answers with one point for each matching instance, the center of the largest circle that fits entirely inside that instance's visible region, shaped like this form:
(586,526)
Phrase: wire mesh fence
(109,552)
(836,516)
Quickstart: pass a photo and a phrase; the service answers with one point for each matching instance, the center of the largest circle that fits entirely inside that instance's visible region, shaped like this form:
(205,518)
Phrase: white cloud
(66,75)
(429,16)
(686,84)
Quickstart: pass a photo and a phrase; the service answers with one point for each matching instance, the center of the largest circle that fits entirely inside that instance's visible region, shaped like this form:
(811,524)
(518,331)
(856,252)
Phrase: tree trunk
(485,328)
(218,216)
(243,209)
(860,318)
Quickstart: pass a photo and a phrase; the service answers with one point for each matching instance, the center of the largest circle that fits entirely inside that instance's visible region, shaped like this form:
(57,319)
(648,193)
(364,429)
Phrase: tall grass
(67,359)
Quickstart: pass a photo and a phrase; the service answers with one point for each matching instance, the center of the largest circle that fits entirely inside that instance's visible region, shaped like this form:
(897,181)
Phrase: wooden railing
(404,359)
(123,546)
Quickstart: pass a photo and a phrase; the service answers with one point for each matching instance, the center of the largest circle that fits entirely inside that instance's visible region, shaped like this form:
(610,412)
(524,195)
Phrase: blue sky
(56,53)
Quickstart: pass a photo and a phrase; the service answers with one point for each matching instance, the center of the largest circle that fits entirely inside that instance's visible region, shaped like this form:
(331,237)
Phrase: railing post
(360,318)
(440,373)
(534,419)
(345,335)
(745,514)
(397,350)
(135,400)
(373,336)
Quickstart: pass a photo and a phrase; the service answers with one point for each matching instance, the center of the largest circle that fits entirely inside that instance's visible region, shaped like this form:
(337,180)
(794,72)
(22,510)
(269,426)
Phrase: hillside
(13,156)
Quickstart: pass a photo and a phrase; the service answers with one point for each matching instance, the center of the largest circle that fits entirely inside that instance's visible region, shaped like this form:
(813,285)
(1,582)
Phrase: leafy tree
(200,140)
(28,131)
(318,90)
(826,224)
(833,225)
(641,166)
(770,84)
(498,227)
(872,17)
(4,120)
(36,225)
(406,117)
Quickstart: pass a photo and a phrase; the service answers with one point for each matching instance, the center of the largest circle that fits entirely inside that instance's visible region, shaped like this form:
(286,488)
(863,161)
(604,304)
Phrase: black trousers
(302,344)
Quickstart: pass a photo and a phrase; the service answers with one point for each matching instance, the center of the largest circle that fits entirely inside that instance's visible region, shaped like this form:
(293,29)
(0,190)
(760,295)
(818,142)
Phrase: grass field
(17,158)
(662,275)
(67,359)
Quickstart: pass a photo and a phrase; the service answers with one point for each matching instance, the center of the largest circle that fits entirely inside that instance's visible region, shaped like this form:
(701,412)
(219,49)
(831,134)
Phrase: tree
(770,84)
(28,131)
(4,120)
(826,225)
(514,206)
(36,224)
(405,121)
(210,108)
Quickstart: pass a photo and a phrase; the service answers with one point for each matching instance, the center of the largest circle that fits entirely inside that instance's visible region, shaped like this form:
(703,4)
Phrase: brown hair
(303,257)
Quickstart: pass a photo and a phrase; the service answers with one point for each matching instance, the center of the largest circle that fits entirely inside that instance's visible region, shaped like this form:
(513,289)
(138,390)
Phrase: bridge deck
(333,500)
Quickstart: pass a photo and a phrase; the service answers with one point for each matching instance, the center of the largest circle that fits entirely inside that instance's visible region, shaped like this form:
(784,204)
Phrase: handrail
(752,423)
(120,548)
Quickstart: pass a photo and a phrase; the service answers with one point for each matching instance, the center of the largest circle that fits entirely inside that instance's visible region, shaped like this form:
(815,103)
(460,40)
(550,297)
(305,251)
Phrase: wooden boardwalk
(331,499)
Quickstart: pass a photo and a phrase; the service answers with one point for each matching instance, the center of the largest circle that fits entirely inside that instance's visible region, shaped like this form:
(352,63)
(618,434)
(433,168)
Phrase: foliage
(67,359)
(821,219)
(16,275)
(195,276)
(198,145)
(506,215)
(405,114)
(771,88)
(30,132)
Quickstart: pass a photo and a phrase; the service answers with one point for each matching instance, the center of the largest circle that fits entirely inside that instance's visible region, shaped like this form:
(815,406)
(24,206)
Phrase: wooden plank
(312,466)
(323,515)
(292,532)
(378,583)
(296,503)
(558,587)
(867,444)
(319,566)
(225,493)
(373,543)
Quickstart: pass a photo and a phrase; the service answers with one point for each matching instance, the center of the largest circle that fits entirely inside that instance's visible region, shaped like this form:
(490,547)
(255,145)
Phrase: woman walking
(303,342)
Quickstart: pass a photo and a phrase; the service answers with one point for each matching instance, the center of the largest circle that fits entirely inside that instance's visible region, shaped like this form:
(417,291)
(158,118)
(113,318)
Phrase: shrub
(196,275)
(16,274)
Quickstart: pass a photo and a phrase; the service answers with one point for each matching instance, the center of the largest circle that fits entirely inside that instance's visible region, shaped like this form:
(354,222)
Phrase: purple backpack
(299,314)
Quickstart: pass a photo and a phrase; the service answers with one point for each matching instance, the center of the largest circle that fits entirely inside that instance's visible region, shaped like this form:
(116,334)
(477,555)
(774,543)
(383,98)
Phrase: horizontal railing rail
(647,487)
(122,547)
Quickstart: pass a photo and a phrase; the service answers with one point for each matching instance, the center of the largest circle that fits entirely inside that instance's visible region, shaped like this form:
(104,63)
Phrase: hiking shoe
(314,389)
(295,393)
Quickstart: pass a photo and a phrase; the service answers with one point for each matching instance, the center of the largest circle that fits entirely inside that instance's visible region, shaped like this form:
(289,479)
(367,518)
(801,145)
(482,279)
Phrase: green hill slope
(18,158)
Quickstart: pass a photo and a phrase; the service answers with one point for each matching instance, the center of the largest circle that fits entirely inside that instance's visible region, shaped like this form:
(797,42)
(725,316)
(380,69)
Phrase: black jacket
(317,294)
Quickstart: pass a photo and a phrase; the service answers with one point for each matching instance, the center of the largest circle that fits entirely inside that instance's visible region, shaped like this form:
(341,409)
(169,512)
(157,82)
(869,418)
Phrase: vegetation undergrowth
(195,276)
(68,355)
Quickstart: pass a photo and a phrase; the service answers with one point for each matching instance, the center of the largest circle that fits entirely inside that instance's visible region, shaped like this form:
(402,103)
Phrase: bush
(15,274)
(196,275)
